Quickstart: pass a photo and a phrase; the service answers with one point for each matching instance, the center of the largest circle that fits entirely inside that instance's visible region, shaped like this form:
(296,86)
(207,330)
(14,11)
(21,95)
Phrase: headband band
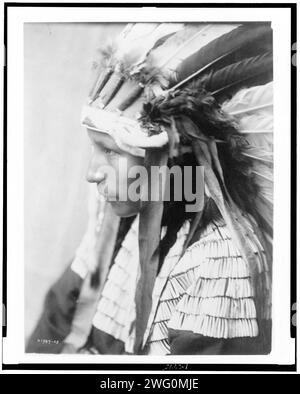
(127,133)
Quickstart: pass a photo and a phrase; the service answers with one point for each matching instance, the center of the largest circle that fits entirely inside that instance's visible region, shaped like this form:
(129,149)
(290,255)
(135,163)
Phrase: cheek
(117,180)
(119,185)
(122,181)
(126,165)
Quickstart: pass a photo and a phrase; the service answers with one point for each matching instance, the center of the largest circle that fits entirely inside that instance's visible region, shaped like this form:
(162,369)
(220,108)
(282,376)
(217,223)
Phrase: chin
(124,209)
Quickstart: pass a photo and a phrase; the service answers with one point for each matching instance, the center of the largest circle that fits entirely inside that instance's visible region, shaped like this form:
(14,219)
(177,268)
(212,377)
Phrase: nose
(94,173)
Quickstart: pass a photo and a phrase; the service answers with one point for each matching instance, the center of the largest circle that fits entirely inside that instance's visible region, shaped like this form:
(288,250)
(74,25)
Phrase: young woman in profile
(155,277)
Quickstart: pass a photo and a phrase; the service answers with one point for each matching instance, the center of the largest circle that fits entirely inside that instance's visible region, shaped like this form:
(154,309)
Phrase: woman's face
(108,168)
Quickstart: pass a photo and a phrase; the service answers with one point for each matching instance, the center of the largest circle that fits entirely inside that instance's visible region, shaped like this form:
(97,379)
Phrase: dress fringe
(208,291)
(215,327)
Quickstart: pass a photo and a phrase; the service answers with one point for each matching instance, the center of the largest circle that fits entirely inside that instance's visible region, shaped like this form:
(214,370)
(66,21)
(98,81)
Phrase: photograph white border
(13,345)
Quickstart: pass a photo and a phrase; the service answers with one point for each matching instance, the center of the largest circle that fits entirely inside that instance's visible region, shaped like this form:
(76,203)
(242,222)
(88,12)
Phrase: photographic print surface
(187,273)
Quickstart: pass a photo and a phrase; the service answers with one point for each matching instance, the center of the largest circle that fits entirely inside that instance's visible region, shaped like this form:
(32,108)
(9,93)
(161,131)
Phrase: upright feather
(175,49)
(217,50)
(140,40)
(237,72)
(253,109)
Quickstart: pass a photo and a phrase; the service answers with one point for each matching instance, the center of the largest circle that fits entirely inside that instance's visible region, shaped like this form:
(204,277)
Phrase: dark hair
(196,114)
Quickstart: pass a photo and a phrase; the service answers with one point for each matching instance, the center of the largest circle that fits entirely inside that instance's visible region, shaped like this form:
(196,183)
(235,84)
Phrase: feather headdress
(206,86)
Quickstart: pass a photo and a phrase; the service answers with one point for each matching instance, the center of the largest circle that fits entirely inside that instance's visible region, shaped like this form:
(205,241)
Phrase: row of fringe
(214,297)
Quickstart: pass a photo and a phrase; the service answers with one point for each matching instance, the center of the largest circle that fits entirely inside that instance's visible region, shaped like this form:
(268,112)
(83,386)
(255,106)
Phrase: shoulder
(218,293)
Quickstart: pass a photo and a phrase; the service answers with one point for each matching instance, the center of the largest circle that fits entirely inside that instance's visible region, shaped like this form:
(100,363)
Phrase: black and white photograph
(148,186)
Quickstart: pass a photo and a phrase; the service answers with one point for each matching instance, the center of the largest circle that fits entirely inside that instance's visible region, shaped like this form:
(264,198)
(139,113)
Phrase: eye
(110,152)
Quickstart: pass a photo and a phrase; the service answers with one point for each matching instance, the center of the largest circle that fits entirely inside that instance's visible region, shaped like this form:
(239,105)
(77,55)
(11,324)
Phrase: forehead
(103,139)
(107,142)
